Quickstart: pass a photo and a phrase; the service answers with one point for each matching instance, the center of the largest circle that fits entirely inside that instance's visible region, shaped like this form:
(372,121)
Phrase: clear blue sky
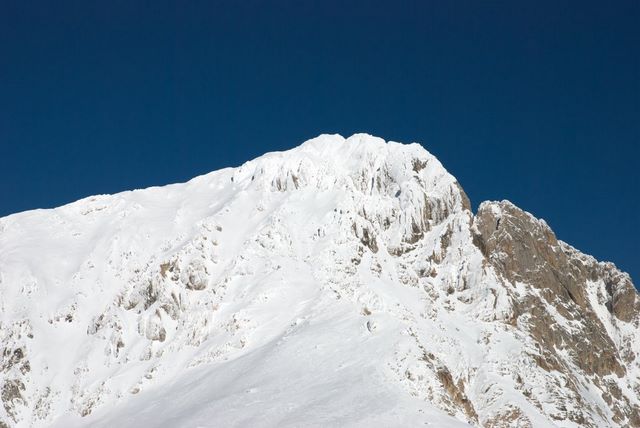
(535,101)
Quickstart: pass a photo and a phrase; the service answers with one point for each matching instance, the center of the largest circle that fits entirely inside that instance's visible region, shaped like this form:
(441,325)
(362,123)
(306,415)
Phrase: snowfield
(345,282)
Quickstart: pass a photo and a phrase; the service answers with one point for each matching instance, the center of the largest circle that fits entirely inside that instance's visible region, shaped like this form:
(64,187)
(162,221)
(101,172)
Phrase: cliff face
(344,282)
(596,306)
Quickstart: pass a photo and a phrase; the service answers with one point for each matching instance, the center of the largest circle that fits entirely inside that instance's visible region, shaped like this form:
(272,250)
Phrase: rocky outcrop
(523,249)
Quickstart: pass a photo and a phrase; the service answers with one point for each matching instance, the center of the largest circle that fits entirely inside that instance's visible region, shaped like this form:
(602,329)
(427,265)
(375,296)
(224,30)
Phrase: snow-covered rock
(345,282)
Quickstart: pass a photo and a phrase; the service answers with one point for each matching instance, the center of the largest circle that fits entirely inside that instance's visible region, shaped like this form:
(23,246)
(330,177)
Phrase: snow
(255,296)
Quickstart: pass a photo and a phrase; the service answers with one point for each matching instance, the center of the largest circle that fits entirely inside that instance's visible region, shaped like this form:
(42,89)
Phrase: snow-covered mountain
(341,283)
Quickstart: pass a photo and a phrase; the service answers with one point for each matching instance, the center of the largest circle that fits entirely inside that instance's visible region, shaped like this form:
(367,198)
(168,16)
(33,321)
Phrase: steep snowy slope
(341,283)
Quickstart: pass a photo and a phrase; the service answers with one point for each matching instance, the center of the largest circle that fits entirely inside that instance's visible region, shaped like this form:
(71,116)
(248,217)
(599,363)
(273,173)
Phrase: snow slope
(340,283)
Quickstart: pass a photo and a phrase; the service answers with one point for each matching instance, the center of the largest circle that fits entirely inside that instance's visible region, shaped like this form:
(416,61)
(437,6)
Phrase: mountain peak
(346,280)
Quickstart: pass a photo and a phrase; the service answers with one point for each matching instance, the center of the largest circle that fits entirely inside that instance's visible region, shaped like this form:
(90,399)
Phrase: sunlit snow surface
(299,289)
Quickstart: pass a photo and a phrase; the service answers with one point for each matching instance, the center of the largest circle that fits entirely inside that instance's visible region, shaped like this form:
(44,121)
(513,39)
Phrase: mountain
(345,282)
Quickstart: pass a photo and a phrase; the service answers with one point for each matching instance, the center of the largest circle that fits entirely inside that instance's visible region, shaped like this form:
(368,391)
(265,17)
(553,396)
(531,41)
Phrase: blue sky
(536,102)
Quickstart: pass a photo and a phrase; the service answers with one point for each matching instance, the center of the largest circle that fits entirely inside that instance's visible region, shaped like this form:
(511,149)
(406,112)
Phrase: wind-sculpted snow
(341,283)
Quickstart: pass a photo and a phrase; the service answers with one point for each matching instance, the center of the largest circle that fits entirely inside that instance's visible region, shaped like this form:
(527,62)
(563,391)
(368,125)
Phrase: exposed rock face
(343,271)
(524,249)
